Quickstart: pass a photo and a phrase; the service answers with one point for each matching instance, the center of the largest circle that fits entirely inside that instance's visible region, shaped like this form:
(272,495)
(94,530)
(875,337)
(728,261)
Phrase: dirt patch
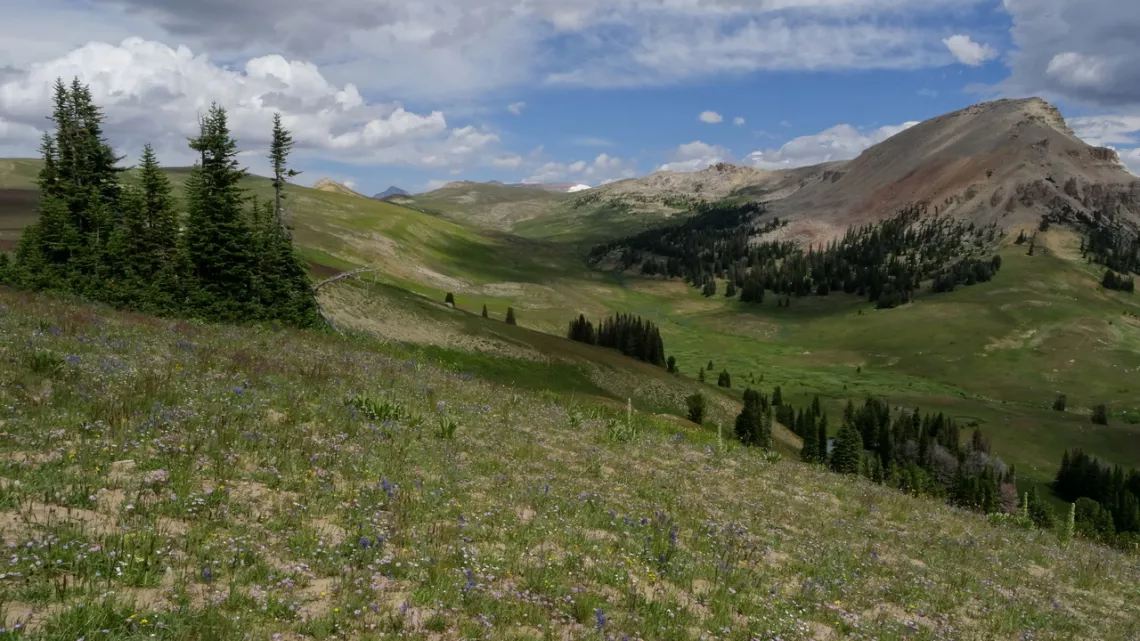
(31,458)
(35,515)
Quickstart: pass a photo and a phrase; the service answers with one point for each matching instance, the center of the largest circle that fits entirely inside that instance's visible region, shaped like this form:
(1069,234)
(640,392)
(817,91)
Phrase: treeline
(227,257)
(886,261)
(1107,498)
(631,335)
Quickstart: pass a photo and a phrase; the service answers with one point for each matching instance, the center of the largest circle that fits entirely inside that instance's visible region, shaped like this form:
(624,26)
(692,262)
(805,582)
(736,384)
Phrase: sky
(417,94)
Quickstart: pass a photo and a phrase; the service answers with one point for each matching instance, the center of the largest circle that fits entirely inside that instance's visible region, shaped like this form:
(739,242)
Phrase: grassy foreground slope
(168,480)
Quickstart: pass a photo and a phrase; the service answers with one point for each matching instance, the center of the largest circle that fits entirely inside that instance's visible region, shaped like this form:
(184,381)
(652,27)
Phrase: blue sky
(380,92)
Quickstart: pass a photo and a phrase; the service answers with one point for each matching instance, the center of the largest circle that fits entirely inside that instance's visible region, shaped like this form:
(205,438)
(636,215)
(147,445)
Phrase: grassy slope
(994,354)
(169,480)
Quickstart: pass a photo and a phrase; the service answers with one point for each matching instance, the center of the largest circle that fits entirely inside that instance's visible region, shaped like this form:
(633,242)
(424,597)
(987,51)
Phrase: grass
(180,481)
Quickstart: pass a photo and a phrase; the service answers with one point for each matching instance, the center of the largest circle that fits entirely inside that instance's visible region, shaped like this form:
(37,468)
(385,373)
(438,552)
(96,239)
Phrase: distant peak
(330,185)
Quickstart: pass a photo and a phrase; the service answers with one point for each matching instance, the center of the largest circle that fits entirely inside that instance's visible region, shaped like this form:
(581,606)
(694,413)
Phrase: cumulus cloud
(1131,159)
(153,93)
(463,48)
(841,142)
(1107,129)
(516,108)
(1081,50)
(738,121)
(968,52)
(695,156)
(604,168)
(507,162)
(710,117)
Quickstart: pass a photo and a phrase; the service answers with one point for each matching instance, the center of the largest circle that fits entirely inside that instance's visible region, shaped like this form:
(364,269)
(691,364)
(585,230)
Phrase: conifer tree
(671,365)
(511,320)
(848,450)
(701,375)
(279,150)
(810,450)
(218,241)
(449,299)
(485,311)
(285,292)
(821,439)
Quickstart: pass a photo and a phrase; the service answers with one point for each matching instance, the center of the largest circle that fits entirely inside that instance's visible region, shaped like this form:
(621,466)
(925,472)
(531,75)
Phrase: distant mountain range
(389,192)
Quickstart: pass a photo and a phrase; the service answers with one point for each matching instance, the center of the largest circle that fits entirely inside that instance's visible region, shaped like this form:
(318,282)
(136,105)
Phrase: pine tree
(671,365)
(485,311)
(284,290)
(1060,403)
(848,450)
(821,439)
(810,450)
(696,407)
(449,299)
(218,241)
(777,397)
(511,320)
(730,289)
(701,375)
(279,150)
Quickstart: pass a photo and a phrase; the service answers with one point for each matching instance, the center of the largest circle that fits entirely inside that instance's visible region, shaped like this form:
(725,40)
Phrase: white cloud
(695,156)
(433,49)
(1079,50)
(604,168)
(1131,159)
(710,117)
(508,162)
(738,121)
(351,184)
(153,93)
(969,52)
(516,108)
(841,142)
(1107,130)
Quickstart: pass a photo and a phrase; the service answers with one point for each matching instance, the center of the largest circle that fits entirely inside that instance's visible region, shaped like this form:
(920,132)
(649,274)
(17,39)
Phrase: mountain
(1006,162)
(389,192)
(332,186)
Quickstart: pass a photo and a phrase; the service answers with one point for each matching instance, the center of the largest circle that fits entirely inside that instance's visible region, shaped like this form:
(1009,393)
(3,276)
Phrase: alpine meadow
(890,393)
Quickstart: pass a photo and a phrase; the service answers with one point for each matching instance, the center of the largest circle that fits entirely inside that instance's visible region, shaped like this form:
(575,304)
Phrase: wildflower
(600,617)
(365,543)
(207,574)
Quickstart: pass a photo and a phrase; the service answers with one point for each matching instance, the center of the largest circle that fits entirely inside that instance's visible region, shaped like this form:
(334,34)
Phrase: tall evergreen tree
(511,320)
(821,439)
(810,450)
(218,240)
(848,450)
(485,311)
(279,149)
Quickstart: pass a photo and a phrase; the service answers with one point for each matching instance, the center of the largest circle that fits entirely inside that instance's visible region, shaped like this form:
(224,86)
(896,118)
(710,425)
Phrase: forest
(886,262)
(225,257)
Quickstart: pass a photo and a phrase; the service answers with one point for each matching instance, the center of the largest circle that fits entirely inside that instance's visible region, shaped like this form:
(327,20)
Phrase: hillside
(212,482)
(488,205)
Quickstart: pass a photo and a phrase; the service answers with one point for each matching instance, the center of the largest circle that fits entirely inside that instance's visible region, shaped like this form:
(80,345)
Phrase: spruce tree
(671,365)
(810,450)
(218,241)
(449,299)
(485,311)
(511,316)
(848,450)
(279,150)
(821,439)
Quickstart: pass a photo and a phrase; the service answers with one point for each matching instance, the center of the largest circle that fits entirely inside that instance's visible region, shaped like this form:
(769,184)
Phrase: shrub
(1061,403)
(449,299)
(511,316)
(696,405)
(1100,415)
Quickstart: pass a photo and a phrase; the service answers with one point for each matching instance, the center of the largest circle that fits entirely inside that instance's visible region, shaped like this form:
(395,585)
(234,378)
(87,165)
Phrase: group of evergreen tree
(919,454)
(227,257)
(631,335)
(885,261)
(1107,497)
(1118,282)
(754,423)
